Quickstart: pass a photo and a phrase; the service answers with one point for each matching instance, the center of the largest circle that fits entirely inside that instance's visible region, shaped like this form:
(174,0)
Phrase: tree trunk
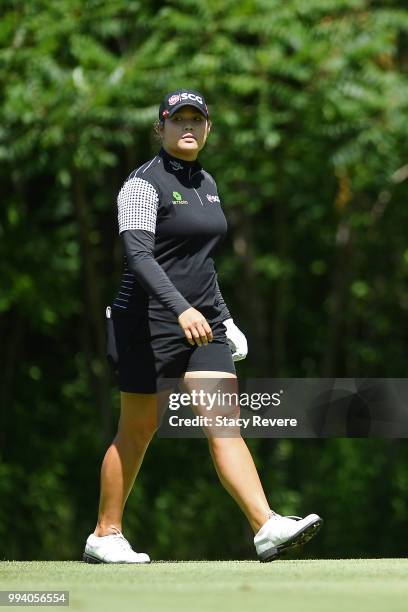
(11,358)
(280,315)
(338,301)
(251,301)
(99,376)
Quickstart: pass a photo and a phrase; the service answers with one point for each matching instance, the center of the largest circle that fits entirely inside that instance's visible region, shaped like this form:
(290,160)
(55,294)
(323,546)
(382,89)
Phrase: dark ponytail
(156,129)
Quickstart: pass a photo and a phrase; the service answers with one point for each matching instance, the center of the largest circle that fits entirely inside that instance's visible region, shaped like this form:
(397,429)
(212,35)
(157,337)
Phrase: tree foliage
(309,148)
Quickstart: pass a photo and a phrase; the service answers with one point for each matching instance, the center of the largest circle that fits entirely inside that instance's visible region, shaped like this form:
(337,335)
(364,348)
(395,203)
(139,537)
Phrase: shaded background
(309,148)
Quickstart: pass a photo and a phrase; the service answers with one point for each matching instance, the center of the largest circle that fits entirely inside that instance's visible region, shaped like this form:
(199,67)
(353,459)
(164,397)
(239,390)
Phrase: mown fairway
(363,585)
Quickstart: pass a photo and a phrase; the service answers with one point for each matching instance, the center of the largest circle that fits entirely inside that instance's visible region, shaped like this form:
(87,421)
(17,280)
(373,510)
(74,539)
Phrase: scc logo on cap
(184,96)
(174,100)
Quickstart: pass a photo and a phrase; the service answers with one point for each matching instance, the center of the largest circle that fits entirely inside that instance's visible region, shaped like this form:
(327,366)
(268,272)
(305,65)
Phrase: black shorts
(152,350)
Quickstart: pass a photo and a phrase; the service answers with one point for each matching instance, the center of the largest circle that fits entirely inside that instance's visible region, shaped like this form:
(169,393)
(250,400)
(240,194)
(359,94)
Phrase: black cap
(174,100)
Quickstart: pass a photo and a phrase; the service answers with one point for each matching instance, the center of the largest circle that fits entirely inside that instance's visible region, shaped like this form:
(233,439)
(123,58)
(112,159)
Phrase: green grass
(332,585)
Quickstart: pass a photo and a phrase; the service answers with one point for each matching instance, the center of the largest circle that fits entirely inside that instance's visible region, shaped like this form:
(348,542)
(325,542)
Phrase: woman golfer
(171,321)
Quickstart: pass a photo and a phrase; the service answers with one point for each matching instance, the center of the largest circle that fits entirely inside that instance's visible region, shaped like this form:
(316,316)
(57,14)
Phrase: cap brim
(188,103)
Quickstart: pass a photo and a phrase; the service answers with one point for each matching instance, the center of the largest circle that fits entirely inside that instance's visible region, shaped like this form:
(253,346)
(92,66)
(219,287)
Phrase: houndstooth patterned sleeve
(137,202)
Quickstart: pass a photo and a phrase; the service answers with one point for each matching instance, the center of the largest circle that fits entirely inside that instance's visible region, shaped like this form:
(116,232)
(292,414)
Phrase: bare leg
(235,466)
(122,461)
(238,474)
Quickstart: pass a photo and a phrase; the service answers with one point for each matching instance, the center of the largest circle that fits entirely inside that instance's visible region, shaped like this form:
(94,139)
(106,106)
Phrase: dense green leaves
(309,148)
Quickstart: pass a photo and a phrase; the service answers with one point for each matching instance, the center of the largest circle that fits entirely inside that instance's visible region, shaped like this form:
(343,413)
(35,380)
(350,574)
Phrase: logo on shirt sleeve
(178,198)
(213,198)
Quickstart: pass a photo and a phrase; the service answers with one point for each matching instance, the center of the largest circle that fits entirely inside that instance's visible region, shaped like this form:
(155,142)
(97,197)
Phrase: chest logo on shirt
(213,198)
(178,198)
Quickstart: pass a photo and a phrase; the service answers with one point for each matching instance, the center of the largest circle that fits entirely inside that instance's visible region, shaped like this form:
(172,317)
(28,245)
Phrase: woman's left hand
(236,340)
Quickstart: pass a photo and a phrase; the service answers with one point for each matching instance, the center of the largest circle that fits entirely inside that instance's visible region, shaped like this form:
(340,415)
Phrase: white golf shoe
(112,548)
(281,533)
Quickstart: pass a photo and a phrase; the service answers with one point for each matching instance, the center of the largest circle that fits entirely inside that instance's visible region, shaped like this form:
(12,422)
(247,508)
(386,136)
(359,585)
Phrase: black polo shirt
(171,222)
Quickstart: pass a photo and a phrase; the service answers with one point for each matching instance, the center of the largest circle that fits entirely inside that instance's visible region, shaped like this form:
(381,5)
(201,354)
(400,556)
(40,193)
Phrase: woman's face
(184,134)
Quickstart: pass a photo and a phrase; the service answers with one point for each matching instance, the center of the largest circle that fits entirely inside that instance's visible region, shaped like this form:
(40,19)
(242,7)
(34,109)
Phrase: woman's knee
(223,439)
(138,415)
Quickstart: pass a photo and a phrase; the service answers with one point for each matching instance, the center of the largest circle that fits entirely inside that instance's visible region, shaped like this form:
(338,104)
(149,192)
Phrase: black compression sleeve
(139,248)
(225,313)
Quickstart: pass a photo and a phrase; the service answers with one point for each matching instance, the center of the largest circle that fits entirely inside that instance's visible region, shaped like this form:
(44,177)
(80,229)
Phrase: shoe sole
(90,559)
(306,534)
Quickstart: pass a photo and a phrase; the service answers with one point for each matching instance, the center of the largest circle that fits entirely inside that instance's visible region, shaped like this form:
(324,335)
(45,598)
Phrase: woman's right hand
(195,327)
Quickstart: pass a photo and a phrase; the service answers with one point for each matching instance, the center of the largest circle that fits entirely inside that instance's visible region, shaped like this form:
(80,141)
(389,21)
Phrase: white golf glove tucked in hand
(236,340)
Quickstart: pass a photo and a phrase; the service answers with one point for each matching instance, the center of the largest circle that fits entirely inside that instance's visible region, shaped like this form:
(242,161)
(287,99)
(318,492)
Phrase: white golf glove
(236,340)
